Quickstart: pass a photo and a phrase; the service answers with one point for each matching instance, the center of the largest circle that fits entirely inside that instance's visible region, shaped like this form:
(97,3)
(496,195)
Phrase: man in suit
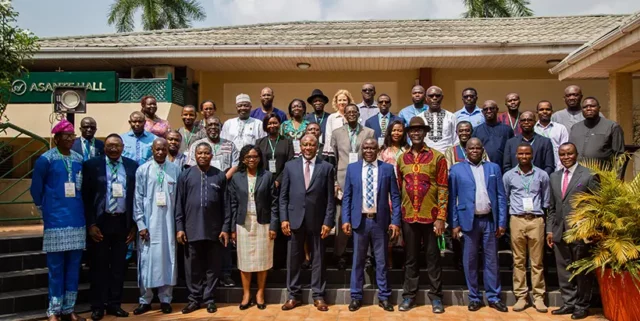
(381,120)
(571,179)
(87,145)
(542,146)
(345,143)
(108,194)
(307,209)
(369,215)
(479,210)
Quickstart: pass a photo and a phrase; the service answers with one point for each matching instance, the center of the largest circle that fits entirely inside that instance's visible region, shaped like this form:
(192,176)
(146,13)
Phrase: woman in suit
(276,149)
(254,221)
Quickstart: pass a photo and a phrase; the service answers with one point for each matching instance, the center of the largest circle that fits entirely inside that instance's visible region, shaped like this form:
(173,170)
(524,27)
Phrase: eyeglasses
(367,90)
(434,96)
(251,157)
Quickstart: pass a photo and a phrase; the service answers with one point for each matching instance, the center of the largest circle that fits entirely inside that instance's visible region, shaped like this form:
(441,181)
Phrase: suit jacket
(387,189)
(542,153)
(317,203)
(99,147)
(583,180)
(462,195)
(341,146)
(265,196)
(94,188)
(374,123)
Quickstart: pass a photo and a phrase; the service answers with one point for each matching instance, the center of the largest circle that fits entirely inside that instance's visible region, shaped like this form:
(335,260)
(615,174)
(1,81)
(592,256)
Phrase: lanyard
(399,152)
(321,119)
(67,163)
(353,137)
(216,148)
(114,168)
(273,148)
(86,152)
(187,138)
(252,186)
(160,174)
(513,126)
(525,183)
(464,154)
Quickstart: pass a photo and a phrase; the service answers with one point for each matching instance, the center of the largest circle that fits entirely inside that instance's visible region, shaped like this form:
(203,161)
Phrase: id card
(380,141)
(353,157)
(117,190)
(161,199)
(527,203)
(296,146)
(272,165)
(217,164)
(69,189)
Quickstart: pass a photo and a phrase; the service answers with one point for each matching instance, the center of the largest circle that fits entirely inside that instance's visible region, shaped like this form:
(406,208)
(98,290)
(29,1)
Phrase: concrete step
(20,244)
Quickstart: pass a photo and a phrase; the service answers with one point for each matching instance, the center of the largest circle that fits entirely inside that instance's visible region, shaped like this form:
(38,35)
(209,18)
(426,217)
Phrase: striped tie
(113,202)
(369,195)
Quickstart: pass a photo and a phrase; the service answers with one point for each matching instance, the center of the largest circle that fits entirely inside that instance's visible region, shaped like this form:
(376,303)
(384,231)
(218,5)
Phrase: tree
(16,47)
(496,8)
(156,14)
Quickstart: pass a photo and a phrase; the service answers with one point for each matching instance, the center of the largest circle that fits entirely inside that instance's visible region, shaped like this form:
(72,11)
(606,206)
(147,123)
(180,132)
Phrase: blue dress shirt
(138,148)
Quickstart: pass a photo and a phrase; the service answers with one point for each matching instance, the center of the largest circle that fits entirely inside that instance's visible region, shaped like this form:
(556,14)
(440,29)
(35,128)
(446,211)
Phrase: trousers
(64,274)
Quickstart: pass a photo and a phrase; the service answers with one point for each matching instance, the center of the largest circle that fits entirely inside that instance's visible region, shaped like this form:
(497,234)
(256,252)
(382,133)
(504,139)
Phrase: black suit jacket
(582,180)
(542,153)
(99,147)
(316,203)
(265,196)
(94,189)
(284,153)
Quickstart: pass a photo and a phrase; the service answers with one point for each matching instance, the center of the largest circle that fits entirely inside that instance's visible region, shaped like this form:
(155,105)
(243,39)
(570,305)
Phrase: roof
(504,31)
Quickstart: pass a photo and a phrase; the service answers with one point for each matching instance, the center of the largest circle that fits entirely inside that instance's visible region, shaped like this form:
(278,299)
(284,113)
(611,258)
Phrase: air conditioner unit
(142,72)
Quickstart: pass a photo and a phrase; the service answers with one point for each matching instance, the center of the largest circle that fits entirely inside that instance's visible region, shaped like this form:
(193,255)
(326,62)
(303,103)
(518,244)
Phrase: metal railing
(163,89)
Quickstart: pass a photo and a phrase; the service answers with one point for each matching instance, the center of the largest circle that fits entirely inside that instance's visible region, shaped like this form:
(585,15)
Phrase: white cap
(243,98)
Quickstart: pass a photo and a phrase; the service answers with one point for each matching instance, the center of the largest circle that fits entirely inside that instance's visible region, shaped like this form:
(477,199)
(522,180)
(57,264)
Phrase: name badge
(117,190)
(161,199)
(527,203)
(217,164)
(380,141)
(353,157)
(69,189)
(296,146)
(272,165)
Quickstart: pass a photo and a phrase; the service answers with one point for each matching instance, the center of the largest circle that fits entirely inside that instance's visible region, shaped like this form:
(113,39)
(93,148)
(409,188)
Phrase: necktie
(87,149)
(307,174)
(369,194)
(384,125)
(113,202)
(565,182)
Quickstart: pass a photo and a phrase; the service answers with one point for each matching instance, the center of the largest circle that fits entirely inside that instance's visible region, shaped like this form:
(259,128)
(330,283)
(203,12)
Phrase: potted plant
(610,218)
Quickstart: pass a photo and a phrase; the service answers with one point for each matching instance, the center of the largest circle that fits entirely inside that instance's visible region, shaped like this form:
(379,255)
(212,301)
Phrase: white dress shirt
(483,202)
(365,168)
(443,129)
(557,133)
(242,132)
(334,121)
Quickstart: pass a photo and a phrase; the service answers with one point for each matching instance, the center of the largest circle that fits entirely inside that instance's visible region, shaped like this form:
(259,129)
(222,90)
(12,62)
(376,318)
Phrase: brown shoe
(321,305)
(72,317)
(290,304)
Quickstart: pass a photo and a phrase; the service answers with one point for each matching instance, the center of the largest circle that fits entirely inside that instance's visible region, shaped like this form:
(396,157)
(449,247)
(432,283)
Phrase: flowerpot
(619,295)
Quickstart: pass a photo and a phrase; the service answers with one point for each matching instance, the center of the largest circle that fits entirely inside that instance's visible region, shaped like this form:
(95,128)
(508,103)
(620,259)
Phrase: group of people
(276,187)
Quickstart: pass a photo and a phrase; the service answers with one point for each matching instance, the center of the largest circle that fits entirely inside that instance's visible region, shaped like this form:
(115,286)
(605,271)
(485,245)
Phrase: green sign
(36,87)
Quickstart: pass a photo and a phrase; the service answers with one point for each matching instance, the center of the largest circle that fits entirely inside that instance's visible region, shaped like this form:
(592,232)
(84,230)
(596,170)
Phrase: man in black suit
(571,179)
(108,193)
(307,208)
(87,145)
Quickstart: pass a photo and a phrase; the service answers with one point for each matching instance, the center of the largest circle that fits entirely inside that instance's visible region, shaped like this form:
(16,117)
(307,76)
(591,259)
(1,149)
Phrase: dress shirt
(322,121)
(334,121)
(443,129)
(122,179)
(542,153)
(365,168)
(242,132)
(514,185)
(571,169)
(557,133)
(367,111)
(476,118)
(483,203)
(506,119)
(408,112)
(138,148)
(312,166)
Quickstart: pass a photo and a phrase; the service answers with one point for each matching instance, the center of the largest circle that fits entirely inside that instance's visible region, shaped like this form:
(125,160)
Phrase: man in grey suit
(572,178)
(346,143)
(307,209)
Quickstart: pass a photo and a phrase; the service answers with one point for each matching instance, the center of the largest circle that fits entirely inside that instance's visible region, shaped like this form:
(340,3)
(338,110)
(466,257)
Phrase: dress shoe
(166,308)
(437,307)
(290,304)
(498,305)
(474,306)
(227,281)
(355,305)
(245,306)
(212,308)
(579,314)
(386,305)
(142,308)
(261,306)
(72,317)
(97,314)
(407,304)
(192,306)
(563,310)
(306,265)
(118,312)
(321,305)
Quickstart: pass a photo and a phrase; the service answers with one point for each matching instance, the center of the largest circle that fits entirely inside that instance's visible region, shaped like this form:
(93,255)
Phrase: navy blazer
(373,123)
(387,189)
(316,203)
(542,153)
(99,147)
(265,196)
(94,188)
(462,195)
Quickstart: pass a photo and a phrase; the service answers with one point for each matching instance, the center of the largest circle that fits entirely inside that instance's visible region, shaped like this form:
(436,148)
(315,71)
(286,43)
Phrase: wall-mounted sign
(37,87)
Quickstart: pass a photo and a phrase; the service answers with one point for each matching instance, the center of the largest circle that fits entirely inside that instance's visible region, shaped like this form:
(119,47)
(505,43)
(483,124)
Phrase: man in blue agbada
(55,189)
(153,212)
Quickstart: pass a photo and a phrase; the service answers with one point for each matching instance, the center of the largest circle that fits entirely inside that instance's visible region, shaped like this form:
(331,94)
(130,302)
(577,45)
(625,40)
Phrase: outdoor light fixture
(553,62)
(303,65)
(70,100)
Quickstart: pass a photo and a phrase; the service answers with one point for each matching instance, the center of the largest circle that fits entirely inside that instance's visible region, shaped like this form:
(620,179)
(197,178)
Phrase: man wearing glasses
(493,134)
(368,106)
(442,123)
(87,145)
(470,111)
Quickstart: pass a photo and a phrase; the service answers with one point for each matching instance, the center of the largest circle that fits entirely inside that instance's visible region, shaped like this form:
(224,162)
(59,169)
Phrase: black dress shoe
(579,314)
(475,305)
(245,306)
(118,312)
(437,307)
(192,306)
(212,308)
(166,308)
(407,304)
(498,305)
(386,305)
(261,306)
(142,308)
(563,310)
(355,305)
(97,314)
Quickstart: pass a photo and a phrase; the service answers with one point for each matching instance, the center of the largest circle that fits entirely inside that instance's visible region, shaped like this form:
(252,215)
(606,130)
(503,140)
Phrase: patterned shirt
(456,154)
(424,187)
(443,129)
(225,155)
(514,123)
(290,132)
(158,127)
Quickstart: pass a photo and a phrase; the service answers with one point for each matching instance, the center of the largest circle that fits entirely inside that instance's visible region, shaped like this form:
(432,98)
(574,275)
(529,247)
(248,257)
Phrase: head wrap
(64,126)
(243,98)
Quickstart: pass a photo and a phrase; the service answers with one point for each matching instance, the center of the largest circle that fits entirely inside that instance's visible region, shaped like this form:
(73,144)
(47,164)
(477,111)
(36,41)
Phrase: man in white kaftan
(153,212)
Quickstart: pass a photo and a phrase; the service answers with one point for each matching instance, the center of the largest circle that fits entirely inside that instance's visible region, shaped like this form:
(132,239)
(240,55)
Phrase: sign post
(37,87)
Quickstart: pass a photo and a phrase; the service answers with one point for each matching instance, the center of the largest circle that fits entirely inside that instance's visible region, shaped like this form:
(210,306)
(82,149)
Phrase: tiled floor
(341,312)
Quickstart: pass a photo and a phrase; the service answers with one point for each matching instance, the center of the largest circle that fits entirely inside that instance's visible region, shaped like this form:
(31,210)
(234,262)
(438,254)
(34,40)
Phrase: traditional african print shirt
(287,130)
(443,129)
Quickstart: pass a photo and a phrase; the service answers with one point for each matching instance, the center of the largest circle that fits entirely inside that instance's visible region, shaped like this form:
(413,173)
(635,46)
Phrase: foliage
(496,8)
(156,14)
(16,47)
(610,216)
